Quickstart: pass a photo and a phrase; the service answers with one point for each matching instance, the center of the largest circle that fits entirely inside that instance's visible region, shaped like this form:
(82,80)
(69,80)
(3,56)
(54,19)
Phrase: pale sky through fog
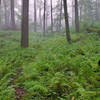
(31,10)
(54,3)
(48,1)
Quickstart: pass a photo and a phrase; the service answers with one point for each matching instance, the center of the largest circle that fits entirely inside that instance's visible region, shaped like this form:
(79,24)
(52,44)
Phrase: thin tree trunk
(13,26)
(73,13)
(25,25)
(66,21)
(97,12)
(0,14)
(6,15)
(80,13)
(77,26)
(51,17)
(40,17)
(44,18)
(60,16)
(35,16)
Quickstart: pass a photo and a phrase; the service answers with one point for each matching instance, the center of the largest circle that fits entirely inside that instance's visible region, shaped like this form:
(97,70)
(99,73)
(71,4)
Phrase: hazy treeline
(89,10)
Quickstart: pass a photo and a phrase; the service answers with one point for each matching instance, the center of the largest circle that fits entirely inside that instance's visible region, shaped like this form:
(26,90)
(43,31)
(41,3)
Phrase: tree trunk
(80,12)
(51,17)
(97,11)
(44,17)
(6,14)
(66,21)
(0,14)
(40,9)
(46,21)
(25,25)
(60,24)
(35,16)
(13,26)
(77,26)
(73,13)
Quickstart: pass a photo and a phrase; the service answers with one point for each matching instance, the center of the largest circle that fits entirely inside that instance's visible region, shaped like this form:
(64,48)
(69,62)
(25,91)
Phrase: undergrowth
(52,69)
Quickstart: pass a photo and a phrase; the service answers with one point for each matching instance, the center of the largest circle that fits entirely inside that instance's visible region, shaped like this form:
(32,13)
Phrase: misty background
(89,11)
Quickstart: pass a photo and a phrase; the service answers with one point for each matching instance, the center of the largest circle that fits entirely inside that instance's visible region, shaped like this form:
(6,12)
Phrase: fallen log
(90,30)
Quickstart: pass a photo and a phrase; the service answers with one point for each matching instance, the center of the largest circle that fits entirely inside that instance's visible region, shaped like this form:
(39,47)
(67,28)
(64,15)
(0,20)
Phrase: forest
(49,49)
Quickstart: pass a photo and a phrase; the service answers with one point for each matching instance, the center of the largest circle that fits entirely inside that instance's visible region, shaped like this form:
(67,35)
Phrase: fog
(84,8)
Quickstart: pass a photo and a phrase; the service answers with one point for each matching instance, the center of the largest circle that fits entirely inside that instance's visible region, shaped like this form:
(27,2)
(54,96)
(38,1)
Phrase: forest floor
(50,69)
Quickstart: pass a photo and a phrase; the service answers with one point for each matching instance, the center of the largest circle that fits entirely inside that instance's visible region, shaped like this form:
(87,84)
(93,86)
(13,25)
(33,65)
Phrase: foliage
(52,69)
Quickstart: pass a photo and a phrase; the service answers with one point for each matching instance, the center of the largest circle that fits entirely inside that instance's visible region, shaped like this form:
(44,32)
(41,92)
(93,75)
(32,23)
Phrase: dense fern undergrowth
(52,69)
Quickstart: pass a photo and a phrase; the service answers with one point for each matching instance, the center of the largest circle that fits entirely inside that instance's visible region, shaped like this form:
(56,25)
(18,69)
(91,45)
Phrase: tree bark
(77,26)
(73,13)
(97,11)
(25,25)
(0,14)
(35,16)
(6,15)
(51,17)
(13,26)
(60,16)
(40,9)
(44,21)
(66,22)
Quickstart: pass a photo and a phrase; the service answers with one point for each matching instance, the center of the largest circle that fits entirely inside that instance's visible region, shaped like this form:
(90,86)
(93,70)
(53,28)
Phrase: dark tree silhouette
(35,16)
(60,24)
(25,29)
(77,26)
(12,15)
(44,26)
(51,17)
(66,21)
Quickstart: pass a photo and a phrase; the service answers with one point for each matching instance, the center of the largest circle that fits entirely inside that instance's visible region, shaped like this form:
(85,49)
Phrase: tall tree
(60,16)
(40,7)
(25,25)
(77,26)
(6,14)
(40,13)
(80,9)
(0,14)
(44,20)
(51,17)
(73,13)
(97,11)
(66,21)
(35,16)
(12,15)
